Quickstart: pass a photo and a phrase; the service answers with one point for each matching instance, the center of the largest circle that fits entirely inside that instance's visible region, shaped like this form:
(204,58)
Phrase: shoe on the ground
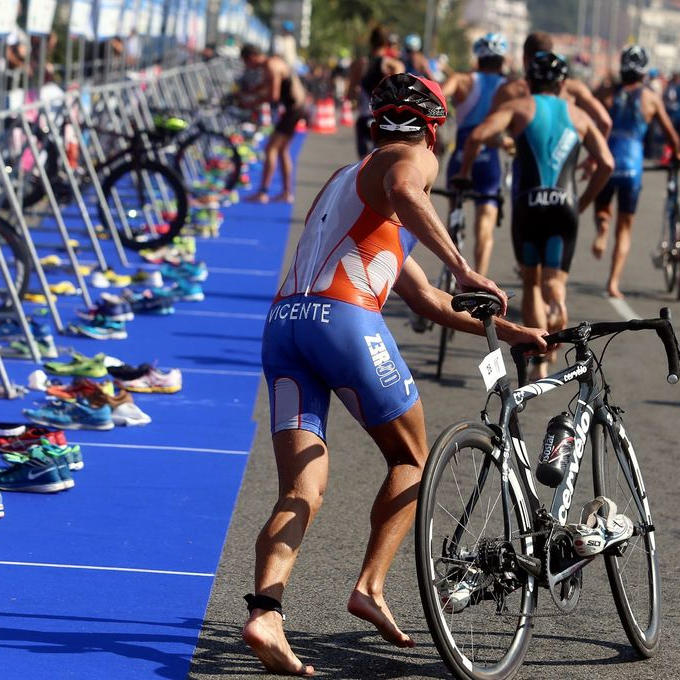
(153,279)
(182,289)
(597,533)
(20,348)
(79,365)
(72,415)
(12,429)
(10,329)
(34,472)
(103,328)
(30,436)
(189,271)
(156,381)
(117,280)
(148,302)
(82,388)
(126,372)
(130,414)
(456,596)
(58,457)
(111,307)
(71,453)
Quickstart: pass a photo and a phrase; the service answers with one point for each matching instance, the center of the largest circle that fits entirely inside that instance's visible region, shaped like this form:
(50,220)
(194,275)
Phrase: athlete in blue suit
(472,94)
(632,107)
(548,132)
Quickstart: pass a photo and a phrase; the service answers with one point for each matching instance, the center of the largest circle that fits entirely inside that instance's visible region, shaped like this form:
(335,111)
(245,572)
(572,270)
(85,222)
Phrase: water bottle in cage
(558,445)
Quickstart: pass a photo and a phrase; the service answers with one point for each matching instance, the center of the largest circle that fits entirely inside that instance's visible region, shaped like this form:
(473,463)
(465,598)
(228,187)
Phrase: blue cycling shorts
(486,170)
(313,346)
(627,188)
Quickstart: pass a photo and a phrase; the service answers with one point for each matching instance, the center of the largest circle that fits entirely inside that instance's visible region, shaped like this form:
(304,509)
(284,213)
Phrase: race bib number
(492,368)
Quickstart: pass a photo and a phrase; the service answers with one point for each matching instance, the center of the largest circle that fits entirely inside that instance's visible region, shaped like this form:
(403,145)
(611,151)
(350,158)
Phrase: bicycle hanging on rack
(485,545)
(667,255)
(456,227)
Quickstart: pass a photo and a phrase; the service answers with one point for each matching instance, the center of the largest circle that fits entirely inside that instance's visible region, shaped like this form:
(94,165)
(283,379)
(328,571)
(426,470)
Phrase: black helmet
(414,96)
(547,67)
(634,60)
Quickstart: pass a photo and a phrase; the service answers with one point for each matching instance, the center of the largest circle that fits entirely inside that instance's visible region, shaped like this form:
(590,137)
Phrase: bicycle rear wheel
(18,261)
(633,571)
(148,203)
(478,614)
(209,155)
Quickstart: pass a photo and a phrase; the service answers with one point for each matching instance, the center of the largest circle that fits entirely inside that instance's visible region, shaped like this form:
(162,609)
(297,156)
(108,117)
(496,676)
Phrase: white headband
(400,127)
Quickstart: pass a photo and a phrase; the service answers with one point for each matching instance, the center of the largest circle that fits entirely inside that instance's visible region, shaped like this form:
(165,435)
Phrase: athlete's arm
(273,81)
(435,304)
(596,145)
(356,71)
(585,100)
(406,185)
(661,115)
(390,66)
(450,86)
(492,126)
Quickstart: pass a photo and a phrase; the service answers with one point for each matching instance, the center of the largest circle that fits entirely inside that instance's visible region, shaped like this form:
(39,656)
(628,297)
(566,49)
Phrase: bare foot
(259,197)
(263,633)
(613,291)
(284,198)
(377,613)
(599,245)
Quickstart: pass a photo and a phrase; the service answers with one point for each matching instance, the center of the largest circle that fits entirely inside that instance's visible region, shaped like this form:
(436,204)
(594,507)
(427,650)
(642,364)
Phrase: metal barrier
(94,121)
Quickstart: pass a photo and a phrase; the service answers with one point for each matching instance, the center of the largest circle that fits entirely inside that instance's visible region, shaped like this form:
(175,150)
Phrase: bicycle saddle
(479,304)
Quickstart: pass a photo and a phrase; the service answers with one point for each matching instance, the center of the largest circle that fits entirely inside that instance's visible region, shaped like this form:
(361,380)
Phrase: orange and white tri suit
(324,330)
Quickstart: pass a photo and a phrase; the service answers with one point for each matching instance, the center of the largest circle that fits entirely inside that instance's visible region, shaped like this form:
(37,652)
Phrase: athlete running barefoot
(325,332)
(632,106)
(548,131)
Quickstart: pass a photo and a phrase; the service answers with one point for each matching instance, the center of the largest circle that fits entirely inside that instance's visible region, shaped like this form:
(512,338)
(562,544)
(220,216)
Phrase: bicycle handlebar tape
(670,343)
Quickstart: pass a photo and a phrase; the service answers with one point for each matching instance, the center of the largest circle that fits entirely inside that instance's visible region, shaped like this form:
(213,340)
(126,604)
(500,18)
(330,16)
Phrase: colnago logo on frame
(384,366)
(579,446)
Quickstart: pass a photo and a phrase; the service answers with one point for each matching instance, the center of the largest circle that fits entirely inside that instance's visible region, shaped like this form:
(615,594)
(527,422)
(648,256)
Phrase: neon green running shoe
(79,365)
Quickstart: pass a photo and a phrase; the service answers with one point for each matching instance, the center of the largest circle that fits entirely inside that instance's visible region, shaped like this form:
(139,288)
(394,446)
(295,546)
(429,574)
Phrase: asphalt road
(589,643)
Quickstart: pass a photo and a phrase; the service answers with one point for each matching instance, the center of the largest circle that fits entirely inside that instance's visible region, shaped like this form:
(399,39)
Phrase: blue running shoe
(148,302)
(72,415)
(58,458)
(71,453)
(35,474)
(103,328)
(188,271)
(111,307)
(182,289)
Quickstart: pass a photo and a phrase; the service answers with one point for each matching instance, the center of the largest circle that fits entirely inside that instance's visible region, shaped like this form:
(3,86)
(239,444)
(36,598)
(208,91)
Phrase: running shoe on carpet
(147,302)
(130,414)
(156,381)
(71,453)
(188,271)
(34,473)
(72,415)
(94,367)
(111,307)
(103,328)
(30,436)
(126,372)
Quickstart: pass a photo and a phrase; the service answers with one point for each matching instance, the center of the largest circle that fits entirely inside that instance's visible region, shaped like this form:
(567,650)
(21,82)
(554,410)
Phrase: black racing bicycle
(456,227)
(486,546)
(667,255)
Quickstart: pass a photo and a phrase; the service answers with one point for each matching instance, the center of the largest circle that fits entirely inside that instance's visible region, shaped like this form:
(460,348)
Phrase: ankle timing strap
(264,602)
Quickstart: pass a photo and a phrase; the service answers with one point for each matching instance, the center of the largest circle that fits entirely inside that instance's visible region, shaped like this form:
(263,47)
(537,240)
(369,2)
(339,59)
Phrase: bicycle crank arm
(553,579)
(532,565)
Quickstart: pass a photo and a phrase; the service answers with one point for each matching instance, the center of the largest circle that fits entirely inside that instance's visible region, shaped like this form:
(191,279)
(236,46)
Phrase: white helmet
(413,43)
(490,45)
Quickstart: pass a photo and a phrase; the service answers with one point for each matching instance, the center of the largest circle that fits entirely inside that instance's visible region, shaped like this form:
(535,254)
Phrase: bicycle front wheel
(633,570)
(478,611)
(18,261)
(147,201)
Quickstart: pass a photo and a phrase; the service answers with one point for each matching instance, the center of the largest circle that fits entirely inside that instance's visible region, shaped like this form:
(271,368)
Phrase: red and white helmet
(405,93)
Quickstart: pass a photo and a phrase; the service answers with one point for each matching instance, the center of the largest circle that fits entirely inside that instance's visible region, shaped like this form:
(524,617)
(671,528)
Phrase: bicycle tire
(18,259)
(207,141)
(670,262)
(618,477)
(448,548)
(127,179)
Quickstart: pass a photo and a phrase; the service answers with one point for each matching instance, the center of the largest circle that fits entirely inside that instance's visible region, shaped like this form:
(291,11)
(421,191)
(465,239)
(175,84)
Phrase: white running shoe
(597,533)
(456,597)
(129,414)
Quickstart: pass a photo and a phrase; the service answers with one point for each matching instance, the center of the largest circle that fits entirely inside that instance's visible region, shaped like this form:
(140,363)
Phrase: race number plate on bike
(492,368)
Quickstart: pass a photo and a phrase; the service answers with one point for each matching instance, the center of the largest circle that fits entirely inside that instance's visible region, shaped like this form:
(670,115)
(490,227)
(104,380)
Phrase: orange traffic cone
(324,118)
(301,125)
(347,115)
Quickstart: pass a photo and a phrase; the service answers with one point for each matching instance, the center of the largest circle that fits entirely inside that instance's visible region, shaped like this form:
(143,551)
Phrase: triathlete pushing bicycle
(325,332)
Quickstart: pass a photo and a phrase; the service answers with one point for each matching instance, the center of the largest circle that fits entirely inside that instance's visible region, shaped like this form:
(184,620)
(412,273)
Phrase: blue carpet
(111,579)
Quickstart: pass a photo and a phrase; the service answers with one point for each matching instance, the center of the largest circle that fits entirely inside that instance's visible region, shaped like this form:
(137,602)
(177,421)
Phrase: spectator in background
(392,49)
(17,53)
(671,100)
(364,75)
